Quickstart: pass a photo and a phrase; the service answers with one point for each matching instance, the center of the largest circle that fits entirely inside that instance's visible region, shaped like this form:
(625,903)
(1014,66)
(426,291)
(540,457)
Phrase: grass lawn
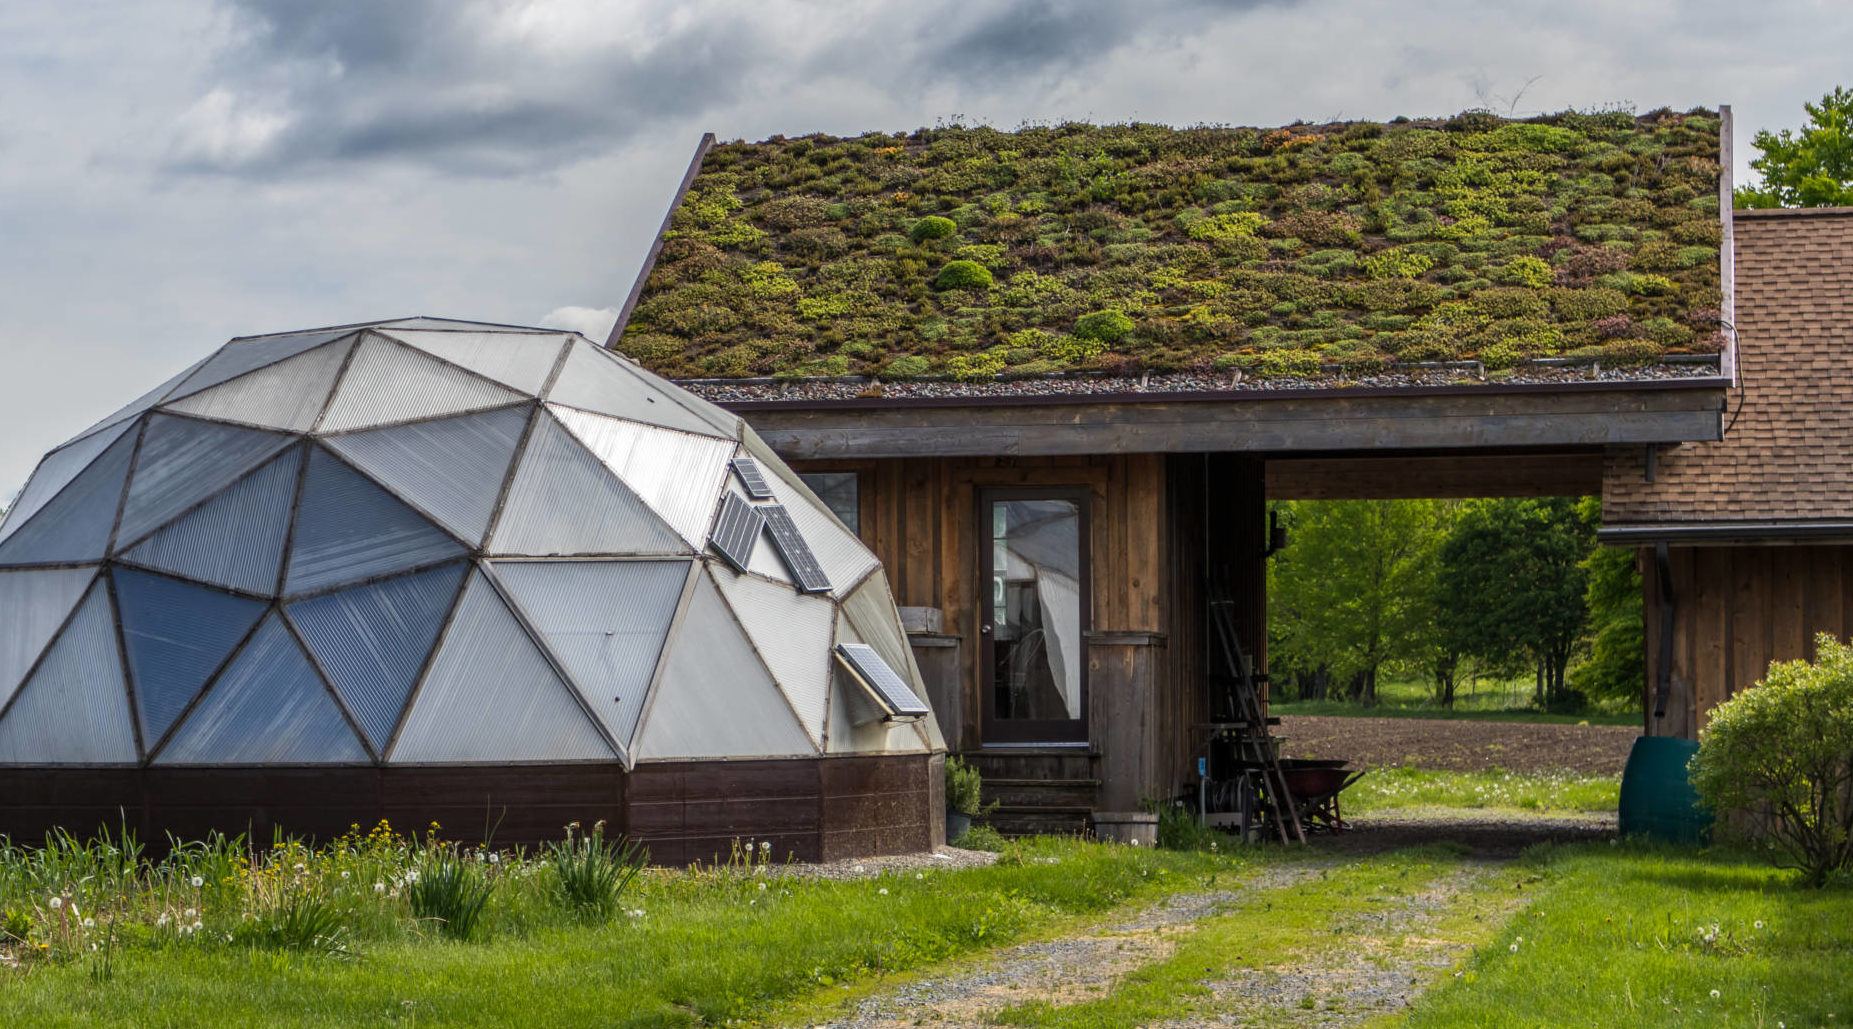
(1492,701)
(1430,937)
(1387,788)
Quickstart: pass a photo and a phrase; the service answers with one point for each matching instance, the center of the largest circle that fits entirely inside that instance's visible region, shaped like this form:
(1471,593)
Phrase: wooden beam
(1274,423)
(1392,476)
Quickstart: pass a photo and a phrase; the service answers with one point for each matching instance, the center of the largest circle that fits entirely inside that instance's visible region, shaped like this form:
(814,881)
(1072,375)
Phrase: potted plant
(964,797)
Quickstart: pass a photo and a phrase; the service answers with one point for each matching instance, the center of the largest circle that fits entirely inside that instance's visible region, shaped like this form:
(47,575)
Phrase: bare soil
(1459,745)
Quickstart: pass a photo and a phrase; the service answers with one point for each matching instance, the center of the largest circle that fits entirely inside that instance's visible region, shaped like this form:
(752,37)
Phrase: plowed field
(1459,745)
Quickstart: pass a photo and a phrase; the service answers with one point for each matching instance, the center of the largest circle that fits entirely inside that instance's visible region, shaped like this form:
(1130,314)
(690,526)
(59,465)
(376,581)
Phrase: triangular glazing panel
(373,640)
(236,538)
(715,698)
(349,528)
(846,705)
(594,380)
(247,355)
(182,462)
(54,473)
(679,475)
(35,603)
(792,632)
(176,635)
(840,552)
(564,501)
(521,360)
(74,709)
(287,395)
(141,403)
(452,468)
(74,525)
(491,696)
(871,610)
(388,382)
(270,707)
(605,621)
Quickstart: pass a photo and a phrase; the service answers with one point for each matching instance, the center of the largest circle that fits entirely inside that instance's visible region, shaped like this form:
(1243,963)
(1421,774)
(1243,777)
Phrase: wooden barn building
(1052,377)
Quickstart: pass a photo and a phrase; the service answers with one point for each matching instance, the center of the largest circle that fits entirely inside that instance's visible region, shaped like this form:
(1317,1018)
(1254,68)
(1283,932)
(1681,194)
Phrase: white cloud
(594,323)
(223,129)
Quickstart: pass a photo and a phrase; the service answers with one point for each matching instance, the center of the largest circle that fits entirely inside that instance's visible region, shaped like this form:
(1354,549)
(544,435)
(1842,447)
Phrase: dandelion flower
(1715,995)
(1513,948)
(762,887)
(379,887)
(1758,923)
(920,875)
(198,882)
(56,903)
(190,913)
(197,926)
(495,859)
(883,891)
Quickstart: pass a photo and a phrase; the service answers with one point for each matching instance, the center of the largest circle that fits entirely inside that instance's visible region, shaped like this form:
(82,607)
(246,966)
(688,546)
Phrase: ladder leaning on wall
(1241,752)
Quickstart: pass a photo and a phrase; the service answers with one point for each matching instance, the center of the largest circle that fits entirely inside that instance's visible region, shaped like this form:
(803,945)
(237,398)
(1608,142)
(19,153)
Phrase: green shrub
(1587,305)
(452,893)
(1109,326)
(1781,752)
(965,789)
(981,837)
(1180,829)
(1534,272)
(908,367)
(963,275)
(1289,364)
(1399,263)
(1218,227)
(591,873)
(974,367)
(932,227)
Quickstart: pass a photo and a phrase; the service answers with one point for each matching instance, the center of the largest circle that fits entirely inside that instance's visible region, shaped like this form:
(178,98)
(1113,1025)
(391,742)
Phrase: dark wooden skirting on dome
(808,809)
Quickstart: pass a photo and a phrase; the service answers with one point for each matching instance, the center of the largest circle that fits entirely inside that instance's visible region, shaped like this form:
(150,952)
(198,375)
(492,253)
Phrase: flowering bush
(1781,753)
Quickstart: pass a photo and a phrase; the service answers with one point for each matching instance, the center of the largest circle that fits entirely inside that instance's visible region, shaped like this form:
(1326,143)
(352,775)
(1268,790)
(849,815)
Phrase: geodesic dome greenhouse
(426,544)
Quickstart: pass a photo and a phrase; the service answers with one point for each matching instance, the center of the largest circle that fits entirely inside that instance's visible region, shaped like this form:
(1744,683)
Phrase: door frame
(995,731)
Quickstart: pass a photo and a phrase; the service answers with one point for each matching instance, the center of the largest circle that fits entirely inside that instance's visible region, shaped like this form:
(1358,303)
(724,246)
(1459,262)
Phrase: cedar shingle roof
(1789,453)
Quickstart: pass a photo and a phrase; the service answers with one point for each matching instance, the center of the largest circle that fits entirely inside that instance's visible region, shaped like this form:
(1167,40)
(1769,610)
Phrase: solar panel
(873,674)
(737,531)
(750,477)
(796,552)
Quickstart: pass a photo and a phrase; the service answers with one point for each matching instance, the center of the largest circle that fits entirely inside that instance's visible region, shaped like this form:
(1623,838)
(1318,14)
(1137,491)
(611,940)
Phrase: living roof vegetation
(971,252)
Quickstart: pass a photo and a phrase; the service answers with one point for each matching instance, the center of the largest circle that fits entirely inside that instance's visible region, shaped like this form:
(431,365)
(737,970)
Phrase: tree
(1616,664)
(1814,169)
(1348,595)
(1513,585)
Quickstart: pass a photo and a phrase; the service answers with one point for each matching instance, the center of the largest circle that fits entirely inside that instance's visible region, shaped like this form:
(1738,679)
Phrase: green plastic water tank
(1657,798)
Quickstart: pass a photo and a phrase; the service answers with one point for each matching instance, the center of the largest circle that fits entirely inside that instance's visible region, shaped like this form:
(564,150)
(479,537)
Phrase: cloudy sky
(176,172)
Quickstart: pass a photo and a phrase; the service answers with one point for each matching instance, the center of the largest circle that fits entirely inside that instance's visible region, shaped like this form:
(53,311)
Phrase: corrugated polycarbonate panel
(522,360)
(847,703)
(176,635)
(792,633)
(74,709)
(54,473)
(349,528)
(871,610)
(373,640)
(270,707)
(236,538)
(491,696)
(182,462)
(841,554)
(565,501)
(74,525)
(33,604)
(880,680)
(593,380)
(141,403)
(451,468)
(388,382)
(605,621)
(286,395)
(716,699)
(679,475)
(248,355)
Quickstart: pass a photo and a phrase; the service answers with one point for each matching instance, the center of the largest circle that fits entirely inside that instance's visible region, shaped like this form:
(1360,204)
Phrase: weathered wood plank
(1390,477)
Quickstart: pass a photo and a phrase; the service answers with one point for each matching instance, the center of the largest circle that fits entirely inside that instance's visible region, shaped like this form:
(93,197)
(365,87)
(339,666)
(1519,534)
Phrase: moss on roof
(970,252)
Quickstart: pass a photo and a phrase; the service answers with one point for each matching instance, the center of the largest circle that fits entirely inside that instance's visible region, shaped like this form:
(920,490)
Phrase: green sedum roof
(970,252)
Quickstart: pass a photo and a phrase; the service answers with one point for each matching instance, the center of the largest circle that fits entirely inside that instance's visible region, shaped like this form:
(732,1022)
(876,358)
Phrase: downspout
(1663,673)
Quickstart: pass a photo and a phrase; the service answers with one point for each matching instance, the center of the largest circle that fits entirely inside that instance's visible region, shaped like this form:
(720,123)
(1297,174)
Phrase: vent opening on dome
(889,691)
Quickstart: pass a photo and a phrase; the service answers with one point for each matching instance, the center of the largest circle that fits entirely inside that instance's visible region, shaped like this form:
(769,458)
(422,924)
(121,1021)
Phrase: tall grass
(592,872)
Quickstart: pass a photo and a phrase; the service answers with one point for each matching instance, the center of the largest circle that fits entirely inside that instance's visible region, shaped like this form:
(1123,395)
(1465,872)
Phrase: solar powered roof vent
(891,694)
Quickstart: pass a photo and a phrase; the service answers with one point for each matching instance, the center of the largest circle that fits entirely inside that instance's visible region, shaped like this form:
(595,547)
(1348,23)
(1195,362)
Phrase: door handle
(985,629)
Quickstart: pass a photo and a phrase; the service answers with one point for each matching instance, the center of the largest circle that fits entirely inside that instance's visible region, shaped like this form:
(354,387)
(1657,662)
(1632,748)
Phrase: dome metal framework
(436,542)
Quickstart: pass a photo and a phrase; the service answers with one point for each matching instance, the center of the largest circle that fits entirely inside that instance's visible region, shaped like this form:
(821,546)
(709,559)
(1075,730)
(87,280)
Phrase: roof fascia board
(1825,531)
(656,245)
(1287,425)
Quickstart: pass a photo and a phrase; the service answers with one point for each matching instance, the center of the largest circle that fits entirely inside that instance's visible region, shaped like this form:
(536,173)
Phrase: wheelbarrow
(1316,784)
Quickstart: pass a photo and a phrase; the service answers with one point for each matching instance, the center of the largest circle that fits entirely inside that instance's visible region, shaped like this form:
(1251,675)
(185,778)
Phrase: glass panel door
(1035,590)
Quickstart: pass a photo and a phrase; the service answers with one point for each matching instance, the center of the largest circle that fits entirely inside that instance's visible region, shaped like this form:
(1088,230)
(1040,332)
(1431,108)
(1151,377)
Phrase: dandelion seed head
(883,891)
(379,887)
(197,926)
(190,913)
(1758,923)
(1513,948)
(56,903)
(1715,995)
(90,923)
(198,882)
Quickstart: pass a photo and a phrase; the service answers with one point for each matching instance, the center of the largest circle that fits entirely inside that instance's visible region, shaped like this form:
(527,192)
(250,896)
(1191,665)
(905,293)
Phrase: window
(841,493)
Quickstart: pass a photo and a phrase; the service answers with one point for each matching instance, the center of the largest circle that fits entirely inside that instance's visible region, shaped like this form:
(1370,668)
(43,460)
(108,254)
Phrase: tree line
(1447,590)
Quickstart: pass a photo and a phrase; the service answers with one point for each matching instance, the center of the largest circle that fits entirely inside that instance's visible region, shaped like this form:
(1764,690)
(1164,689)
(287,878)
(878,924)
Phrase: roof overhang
(1722,533)
(1276,421)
